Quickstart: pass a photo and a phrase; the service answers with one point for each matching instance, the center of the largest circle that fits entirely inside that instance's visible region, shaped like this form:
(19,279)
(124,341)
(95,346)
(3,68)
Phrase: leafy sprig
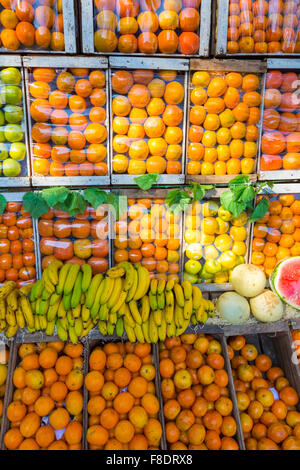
(145,182)
(178,200)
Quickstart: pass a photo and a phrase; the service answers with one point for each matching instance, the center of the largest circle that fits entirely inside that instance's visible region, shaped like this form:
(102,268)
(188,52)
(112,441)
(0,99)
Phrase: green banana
(76,293)
(54,298)
(53,309)
(92,290)
(103,312)
(44,306)
(36,290)
(153,301)
(62,277)
(120,327)
(86,276)
(71,279)
(67,301)
(161,300)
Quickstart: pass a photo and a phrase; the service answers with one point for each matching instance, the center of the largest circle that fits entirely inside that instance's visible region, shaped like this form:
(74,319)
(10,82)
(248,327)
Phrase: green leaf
(260,210)
(55,195)
(248,194)
(3,203)
(145,182)
(230,204)
(95,197)
(199,190)
(226,198)
(118,203)
(177,201)
(73,205)
(239,180)
(35,204)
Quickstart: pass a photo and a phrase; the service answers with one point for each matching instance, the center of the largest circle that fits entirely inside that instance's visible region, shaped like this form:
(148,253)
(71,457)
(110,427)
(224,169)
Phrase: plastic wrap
(223,123)
(69,124)
(277,235)
(149,234)
(13,158)
(214,242)
(147,26)
(17,254)
(147,121)
(35,25)
(263,27)
(81,239)
(280,143)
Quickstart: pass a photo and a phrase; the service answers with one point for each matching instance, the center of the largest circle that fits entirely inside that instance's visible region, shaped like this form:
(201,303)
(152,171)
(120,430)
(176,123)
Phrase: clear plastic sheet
(277,235)
(214,242)
(223,123)
(17,256)
(13,159)
(280,143)
(31,25)
(69,122)
(147,121)
(147,26)
(80,239)
(149,234)
(263,27)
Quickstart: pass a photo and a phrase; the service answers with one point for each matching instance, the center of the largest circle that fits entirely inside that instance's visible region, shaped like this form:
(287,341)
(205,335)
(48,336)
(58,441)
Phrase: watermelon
(285,281)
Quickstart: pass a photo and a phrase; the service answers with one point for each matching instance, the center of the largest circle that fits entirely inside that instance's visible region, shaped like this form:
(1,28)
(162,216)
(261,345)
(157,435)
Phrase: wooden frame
(59,62)
(20,181)
(87,31)
(217,65)
(127,62)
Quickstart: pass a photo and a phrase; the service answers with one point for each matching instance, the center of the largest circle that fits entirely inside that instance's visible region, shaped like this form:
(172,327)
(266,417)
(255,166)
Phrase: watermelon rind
(275,278)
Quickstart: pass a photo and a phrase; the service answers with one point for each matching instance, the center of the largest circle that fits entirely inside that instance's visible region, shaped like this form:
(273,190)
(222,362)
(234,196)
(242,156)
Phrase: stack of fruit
(46,408)
(68,109)
(12,146)
(224,114)
(212,235)
(80,239)
(194,387)
(146,26)
(277,235)
(266,401)
(123,409)
(32,25)
(280,143)
(148,113)
(263,27)
(4,356)
(17,256)
(150,234)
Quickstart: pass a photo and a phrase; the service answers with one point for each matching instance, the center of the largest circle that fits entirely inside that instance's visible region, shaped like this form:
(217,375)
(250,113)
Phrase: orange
(59,418)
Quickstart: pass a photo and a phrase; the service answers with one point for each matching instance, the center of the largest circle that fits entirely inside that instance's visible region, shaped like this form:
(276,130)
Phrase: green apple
(10,94)
(11,167)
(224,214)
(210,208)
(13,132)
(17,151)
(240,260)
(222,226)
(210,252)
(193,278)
(194,251)
(212,266)
(2,118)
(10,76)
(205,276)
(2,137)
(192,266)
(3,151)
(13,114)
(228,259)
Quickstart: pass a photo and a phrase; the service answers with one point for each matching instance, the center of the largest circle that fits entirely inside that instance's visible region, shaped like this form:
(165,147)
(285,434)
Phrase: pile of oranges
(4,356)
(266,400)
(68,110)
(280,144)
(46,408)
(149,234)
(122,406)
(277,235)
(81,239)
(147,26)
(32,25)
(194,386)
(148,112)
(263,27)
(224,118)
(17,257)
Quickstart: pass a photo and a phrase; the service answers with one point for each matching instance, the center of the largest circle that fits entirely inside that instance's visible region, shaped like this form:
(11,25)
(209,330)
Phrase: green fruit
(13,132)
(17,151)
(2,119)
(193,278)
(204,275)
(192,266)
(13,114)
(11,167)
(11,94)
(224,214)
(212,266)
(3,151)
(11,76)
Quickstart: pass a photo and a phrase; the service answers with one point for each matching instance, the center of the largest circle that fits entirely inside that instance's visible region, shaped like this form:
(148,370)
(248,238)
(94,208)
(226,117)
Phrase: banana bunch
(15,309)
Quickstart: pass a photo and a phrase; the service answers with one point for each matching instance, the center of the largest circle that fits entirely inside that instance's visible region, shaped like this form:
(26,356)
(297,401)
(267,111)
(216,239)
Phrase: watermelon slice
(285,281)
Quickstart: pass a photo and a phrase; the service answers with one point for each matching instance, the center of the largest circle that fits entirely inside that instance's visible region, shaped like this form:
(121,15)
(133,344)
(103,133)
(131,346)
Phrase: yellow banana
(53,271)
(169,313)
(110,328)
(27,312)
(61,311)
(76,312)
(96,304)
(162,330)
(145,308)
(47,283)
(130,332)
(85,313)
(72,335)
(200,312)
(133,288)
(108,288)
(112,318)
(178,291)
(153,301)
(171,330)
(76,292)
(43,322)
(70,318)
(62,277)
(153,286)
(102,327)
(116,271)
(161,286)
(11,331)
(135,311)
(161,300)
(87,328)
(145,328)
(50,328)
(153,333)
(37,322)
(6,289)
(187,289)
(103,312)
(170,285)
(12,299)
(121,300)
(138,331)
(197,297)
(178,315)
(54,298)
(71,279)
(143,282)
(188,309)
(129,275)
(2,309)
(115,295)
(128,317)
(157,314)
(62,332)
(92,290)
(20,318)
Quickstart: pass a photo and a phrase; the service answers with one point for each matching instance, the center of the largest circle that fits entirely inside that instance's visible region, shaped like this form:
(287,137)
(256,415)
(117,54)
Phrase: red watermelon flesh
(286,281)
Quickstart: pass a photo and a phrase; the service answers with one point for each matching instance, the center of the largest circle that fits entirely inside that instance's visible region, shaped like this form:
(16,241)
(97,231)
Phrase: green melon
(285,281)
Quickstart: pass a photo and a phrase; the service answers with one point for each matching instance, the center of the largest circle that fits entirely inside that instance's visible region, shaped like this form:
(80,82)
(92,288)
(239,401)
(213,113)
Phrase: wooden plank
(229,65)
(214,179)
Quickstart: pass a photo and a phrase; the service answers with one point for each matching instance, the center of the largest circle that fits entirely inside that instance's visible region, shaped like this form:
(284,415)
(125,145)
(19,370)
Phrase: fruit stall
(149,225)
